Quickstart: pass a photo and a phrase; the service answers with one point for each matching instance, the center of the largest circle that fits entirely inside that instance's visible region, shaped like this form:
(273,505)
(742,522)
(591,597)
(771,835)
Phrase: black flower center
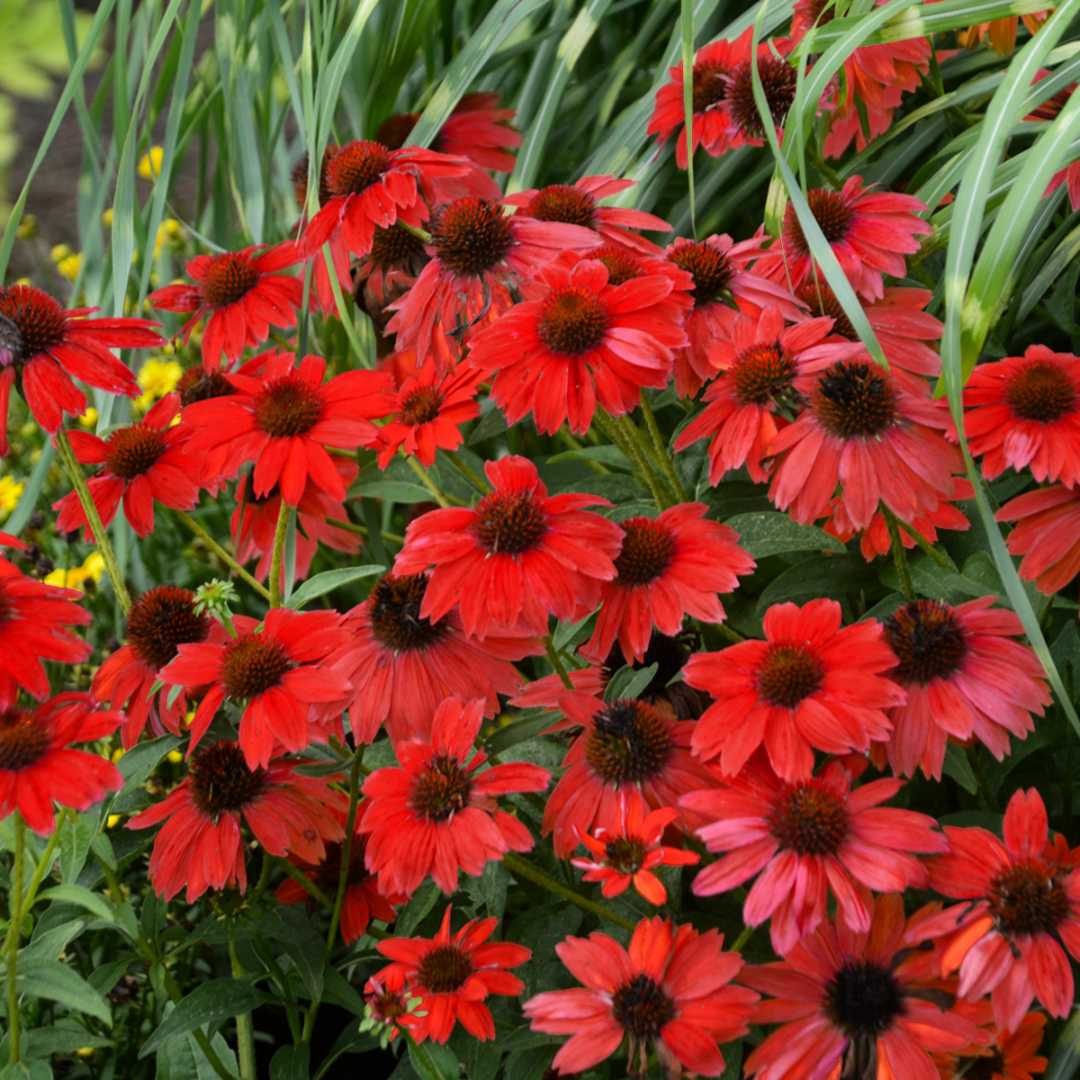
(420,406)
(39,319)
(300,176)
(863,999)
(563,203)
(823,303)
(131,451)
(709,85)
(1028,898)
(161,620)
(196,384)
(809,819)
(625,854)
(471,236)
(622,266)
(762,374)
(642,1007)
(928,641)
(440,789)
(710,269)
(778,80)
(287,406)
(221,782)
(1041,392)
(855,399)
(630,742)
(646,551)
(394,130)
(445,969)
(395,246)
(509,523)
(394,612)
(24,740)
(230,278)
(831,214)
(789,673)
(328,873)
(356,166)
(572,321)
(251,664)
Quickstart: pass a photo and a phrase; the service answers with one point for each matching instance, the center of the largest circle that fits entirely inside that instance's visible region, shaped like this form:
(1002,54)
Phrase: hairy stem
(663,454)
(221,553)
(632,451)
(477,482)
(907,586)
(556,662)
(278,554)
(924,545)
(15,905)
(245,1033)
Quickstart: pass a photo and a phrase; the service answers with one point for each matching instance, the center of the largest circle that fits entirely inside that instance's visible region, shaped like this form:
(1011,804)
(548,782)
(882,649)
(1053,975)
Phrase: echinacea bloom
(38,766)
(284,419)
(764,367)
(199,383)
(159,622)
(200,845)
(670,989)
(53,347)
(363,900)
(1000,34)
(779,81)
(670,566)
(578,204)
(402,665)
(480,253)
(1047,534)
(389,1004)
(580,344)
(241,294)
(436,814)
(1009,1056)
(140,463)
(1022,909)
(387,271)
(274,669)
(452,974)
(806,840)
(810,685)
(869,232)
(1024,412)
(33,628)
(427,414)
(846,996)
(514,557)
(627,750)
(965,678)
(628,855)
(865,429)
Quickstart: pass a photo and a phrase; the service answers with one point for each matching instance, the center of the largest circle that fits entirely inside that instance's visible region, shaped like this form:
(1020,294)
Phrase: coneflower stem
(907,586)
(556,662)
(477,482)
(346,846)
(523,868)
(663,454)
(245,1035)
(221,553)
(15,910)
(278,554)
(924,545)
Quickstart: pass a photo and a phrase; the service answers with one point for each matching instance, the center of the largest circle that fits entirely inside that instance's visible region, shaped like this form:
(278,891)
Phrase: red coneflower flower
(765,368)
(159,622)
(779,80)
(628,855)
(1008,941)
(241,294)
(672,565)
(964,676)
(276,671)
(671,988)
(628,750)
(37,765)
(865,429)
(387,272)
(578,204)
(54,346)
(1047,534)
(1025,412)
(436,814)
(390,1003)
(847,997)
(806,840)
(582,343)
(1000,34)
(402,665)
(516,556)
(201,846)
(199,384)
(1048,110)
(810,684)
(1008,1056)
(33,621)
(363,900)
(479,255)
(427,412)
(452,974)
(284,419)
(141,462)
(869,232)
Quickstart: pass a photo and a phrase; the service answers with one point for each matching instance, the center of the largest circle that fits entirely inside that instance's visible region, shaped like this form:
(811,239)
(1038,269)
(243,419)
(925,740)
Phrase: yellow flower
(89,418)
(156,378)
(70,266)
(10,490)
(113,820)
(91,569)
(107,218)
(59,252)
(170,232)
(150,164)
(175,756)
(117,754)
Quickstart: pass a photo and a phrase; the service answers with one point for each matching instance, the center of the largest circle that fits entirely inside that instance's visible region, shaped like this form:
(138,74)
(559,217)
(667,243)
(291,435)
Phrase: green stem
(608,425)
(742,939)
(556,662)
(245,1033)
(306,884)
(667,462)
(15,905)
(221,553)
(101,539)
(907,586)
(563,435)
(430,1068)
(827,173)
(422,476)
(481,485)
(346,848)
(635,439)
(278,554)
(925,546)
(731,635)
(523,868)
(45,862)
(982,779)
(362,530)
(420,234)
(264,875)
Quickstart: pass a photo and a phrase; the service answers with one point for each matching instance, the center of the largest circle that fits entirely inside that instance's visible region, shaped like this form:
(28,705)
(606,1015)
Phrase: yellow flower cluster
(10,490)
(91,570)
(156,378)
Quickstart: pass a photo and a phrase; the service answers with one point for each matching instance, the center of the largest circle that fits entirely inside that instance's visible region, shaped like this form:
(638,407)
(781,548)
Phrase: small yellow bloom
(156,378)
(89,418)
(70,266)
(170,232)
(23,281)
(91,570)
(85,1052)
(27,227)
(10,490)
(175,756)
(150,164)
(59,252)
(107,218)
(57,577)
(117,754)
(113,820)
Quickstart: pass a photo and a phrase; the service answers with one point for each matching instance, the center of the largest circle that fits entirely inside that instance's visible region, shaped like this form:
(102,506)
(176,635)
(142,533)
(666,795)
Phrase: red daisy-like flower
(810,684)
(481,258)
(1000,34)
(1024,412)
(1048,110)
(388,271)
(866,429)
(806,840)
(1009,1056)
(869,232)
(363,899)
(578,204)
(766,370)
(33,621)
(402,665)
(38,766)
(427,413)
(201,846)
(1023,908)
(141,462)
(284,419)
(436,815)
(55,346)
(965,678)
(452,974)
(516,556)
(159,622)
(241,294)
(779,81)
(672,565)
(848,997)
(628,750)
(581,343)
(389,1003)
(628,855)
(1047,534)
(274,668)
(670,989)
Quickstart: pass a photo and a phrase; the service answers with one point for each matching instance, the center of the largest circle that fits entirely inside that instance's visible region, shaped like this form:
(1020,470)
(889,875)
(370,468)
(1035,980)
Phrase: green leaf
(527,725)
(773,533)
(141,760)
(629,682)
(291,1063)
(957,766)
(329,580)
(93,902)
(54,981)
(1065,1057)
(210,1002)
(433,1062)
(183,1059)
(492,423)
(75,840)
